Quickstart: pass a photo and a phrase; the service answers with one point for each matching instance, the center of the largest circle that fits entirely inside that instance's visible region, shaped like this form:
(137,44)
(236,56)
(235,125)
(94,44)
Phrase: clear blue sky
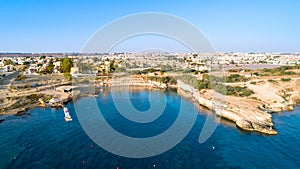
(65,26)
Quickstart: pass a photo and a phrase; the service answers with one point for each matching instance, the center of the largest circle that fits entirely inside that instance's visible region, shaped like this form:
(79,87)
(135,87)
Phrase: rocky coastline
(257,120)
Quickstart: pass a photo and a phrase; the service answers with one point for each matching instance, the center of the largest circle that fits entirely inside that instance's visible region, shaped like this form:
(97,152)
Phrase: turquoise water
(44,140)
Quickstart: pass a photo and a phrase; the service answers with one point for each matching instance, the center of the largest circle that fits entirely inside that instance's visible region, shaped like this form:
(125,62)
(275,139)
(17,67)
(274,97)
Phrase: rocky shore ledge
(258,121)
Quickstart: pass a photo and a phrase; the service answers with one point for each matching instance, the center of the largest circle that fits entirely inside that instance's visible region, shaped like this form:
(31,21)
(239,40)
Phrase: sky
(230,25)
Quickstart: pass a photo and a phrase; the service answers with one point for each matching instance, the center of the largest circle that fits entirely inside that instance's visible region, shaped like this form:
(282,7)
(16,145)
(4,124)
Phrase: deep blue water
(43,139)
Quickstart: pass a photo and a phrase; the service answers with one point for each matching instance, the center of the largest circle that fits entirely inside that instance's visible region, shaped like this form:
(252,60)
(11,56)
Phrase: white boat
(67,115)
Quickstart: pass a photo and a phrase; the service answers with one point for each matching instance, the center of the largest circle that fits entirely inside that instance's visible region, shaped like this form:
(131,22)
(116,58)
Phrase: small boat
(67,115)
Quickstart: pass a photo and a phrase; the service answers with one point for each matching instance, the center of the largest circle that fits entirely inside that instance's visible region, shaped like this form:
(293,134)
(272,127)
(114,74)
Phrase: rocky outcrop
(195,93)
(259,127)
(259,121)
(22,111)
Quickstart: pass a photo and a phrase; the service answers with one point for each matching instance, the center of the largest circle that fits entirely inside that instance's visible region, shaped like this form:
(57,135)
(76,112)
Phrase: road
(7,79)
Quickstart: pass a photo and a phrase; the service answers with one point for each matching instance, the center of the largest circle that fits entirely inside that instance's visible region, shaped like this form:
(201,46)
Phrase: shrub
(245,92)
(285,79)
(283,72)
(235,78)
(271,81)
(256,73)
(269,70)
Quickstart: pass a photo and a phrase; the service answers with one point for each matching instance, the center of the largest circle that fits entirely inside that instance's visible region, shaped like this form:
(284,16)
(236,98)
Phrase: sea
(43,139)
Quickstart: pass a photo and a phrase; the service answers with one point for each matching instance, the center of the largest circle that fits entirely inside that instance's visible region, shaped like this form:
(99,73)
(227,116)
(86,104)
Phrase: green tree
(50,67)
(66,65)
(8,62)
(42,57)
(112,66)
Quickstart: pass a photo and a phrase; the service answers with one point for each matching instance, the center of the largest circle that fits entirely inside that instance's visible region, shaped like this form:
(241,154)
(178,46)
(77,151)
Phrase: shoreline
(260,121)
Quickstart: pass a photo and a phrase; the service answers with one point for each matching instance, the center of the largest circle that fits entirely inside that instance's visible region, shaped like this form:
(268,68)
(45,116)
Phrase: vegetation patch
(285,79)
(233,78)
(164,79)
(272,81)
(232,90)
(215,83)
(280,71)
